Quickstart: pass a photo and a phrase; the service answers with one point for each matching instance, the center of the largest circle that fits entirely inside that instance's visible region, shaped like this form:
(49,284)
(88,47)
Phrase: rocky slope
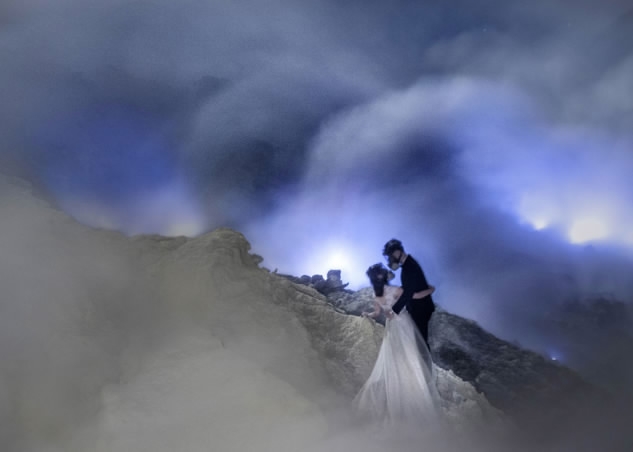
(153,343)
(533,391)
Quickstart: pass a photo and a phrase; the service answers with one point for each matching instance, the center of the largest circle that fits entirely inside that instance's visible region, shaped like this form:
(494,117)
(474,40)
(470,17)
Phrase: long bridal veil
(401,386)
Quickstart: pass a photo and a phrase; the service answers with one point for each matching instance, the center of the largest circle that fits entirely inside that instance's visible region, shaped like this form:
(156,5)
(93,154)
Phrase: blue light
(113,167)
(108,153)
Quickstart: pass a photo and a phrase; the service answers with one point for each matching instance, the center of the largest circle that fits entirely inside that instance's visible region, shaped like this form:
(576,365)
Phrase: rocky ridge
(117,306)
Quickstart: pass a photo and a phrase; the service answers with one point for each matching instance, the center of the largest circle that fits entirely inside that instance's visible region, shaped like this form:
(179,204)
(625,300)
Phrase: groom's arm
(407,291)
(402,302)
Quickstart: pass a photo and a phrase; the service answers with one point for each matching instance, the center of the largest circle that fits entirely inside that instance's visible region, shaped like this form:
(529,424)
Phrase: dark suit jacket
(413,280)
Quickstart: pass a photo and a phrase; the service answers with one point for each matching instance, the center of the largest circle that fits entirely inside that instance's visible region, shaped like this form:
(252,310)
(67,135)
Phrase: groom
(412,280)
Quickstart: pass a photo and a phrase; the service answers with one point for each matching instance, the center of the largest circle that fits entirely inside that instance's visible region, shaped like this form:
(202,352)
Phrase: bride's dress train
(401,385)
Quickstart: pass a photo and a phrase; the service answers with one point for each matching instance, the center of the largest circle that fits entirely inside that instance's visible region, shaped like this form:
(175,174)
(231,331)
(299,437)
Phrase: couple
(400,386)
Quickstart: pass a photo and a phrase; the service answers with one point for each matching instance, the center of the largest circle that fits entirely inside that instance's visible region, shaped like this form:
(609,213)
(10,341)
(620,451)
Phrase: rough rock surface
(150,343)
(117,323)
(534,391)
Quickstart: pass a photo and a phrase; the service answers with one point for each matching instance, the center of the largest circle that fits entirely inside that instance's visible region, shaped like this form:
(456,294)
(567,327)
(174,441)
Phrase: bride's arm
(424,293)
(373,314)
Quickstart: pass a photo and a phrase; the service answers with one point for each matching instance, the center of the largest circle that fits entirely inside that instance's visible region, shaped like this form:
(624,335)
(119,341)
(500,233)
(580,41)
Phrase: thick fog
(113,344)
(493,139)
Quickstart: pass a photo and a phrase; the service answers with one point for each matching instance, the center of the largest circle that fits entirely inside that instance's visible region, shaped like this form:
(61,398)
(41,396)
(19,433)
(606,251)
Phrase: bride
(400,386)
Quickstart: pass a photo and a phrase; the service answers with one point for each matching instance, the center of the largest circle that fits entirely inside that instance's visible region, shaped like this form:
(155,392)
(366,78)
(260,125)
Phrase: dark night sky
(493,138)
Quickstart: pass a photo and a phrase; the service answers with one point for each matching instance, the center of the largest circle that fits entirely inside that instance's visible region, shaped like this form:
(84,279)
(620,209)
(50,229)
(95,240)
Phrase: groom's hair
(378,276)
(391,246)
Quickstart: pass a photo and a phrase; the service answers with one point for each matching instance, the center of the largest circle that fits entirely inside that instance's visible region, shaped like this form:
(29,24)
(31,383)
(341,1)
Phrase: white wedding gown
(401,386)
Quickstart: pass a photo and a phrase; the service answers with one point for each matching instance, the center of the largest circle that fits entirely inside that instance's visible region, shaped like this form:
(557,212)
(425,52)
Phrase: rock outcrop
(326,286)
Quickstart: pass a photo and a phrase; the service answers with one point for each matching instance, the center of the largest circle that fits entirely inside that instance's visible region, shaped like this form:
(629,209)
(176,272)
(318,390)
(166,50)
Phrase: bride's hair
(379,278)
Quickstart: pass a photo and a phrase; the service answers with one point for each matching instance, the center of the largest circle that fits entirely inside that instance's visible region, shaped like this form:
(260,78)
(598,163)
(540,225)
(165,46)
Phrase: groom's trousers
(421,312)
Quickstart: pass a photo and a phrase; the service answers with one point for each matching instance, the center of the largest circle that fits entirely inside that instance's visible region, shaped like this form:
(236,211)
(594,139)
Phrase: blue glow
(555,355)
(110,153)
(113,167)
